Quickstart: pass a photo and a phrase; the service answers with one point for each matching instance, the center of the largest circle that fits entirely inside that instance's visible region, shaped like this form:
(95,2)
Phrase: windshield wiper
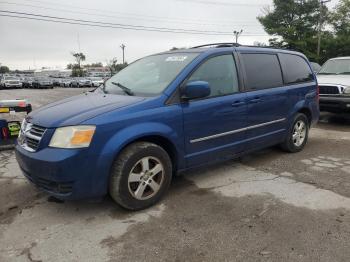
(124,88)
(343,73)
(326,73)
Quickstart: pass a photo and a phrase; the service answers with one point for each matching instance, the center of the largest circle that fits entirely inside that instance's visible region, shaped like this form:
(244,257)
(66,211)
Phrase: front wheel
(140,176)
(298,135)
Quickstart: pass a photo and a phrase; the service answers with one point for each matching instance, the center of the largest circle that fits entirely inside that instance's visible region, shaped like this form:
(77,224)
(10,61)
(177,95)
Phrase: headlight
(346,90)
(72,137)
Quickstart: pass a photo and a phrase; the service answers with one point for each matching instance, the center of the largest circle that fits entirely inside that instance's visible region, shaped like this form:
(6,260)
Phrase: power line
(111,25)
(207,2)
(105,26)
(104,11)
(115,24)
(167,20)
(56,19)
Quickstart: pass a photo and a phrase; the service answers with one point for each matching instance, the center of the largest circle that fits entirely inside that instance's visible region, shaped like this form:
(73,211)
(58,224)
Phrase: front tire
(140,176)
(298,134)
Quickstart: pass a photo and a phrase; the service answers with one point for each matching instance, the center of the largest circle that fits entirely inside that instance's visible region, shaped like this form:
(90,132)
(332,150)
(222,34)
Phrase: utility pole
(237,34)
(320,26)
(123,48)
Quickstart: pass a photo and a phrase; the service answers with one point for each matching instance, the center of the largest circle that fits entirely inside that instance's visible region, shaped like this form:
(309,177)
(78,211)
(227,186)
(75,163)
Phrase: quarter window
(262,71)
(295,69)
(221,74)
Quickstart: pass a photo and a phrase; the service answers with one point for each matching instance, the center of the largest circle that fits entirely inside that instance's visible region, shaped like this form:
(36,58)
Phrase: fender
(135,132)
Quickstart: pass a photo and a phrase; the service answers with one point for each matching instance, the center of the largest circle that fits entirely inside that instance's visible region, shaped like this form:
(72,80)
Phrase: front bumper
(64,174)
(13,85)
(335,104)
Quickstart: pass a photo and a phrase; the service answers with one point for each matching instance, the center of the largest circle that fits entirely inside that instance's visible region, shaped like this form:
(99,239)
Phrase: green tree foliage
(114,67)
(98,64)
(76,68)
(294,25)
(4,70)
(340,18)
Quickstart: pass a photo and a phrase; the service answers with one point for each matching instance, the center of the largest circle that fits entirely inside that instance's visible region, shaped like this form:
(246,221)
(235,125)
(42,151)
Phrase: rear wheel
(140,176)
(298,135)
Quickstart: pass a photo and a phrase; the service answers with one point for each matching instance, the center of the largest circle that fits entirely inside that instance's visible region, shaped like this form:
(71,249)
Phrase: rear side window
(262,71)
(295,69)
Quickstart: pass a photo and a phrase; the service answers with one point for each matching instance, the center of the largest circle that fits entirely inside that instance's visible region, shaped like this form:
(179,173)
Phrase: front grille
(329,90)
(37,131)
(31,136)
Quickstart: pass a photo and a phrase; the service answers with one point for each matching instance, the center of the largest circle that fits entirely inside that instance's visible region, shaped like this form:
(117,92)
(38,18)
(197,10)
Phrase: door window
(262,71)
(221,74)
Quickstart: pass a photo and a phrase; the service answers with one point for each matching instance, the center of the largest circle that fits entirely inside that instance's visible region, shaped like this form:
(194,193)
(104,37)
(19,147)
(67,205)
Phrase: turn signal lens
(73,137)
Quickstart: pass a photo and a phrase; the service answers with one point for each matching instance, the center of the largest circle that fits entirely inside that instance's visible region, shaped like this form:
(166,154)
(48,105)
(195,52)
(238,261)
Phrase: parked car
(10,82)
(42,82)
(96,81)
(28,82)
(165,114)
(81,82)
(65,82)
(315,67)
(334,82)
(56,81)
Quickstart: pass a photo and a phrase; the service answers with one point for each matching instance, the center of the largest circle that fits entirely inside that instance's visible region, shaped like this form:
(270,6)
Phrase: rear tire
(297,135)
(140,176)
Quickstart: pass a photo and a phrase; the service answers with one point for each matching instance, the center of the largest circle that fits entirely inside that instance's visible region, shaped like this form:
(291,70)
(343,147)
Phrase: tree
(4,70)
(340,18)
(98,64)
(79,57)
(293,25)
(76,68)
(114,67)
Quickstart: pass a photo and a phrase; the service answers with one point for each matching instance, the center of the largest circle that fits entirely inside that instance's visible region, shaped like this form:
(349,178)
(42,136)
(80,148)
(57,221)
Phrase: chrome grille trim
(30,136)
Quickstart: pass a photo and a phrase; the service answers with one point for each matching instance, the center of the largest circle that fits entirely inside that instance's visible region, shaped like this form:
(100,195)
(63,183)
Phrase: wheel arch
(161,141)
(307,112)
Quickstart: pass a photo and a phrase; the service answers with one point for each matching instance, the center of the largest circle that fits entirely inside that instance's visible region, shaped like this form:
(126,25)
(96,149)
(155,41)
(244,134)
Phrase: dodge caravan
(165,114)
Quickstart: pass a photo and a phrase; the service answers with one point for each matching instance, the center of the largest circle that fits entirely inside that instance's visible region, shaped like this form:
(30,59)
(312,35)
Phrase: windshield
(336,67)
(149,76)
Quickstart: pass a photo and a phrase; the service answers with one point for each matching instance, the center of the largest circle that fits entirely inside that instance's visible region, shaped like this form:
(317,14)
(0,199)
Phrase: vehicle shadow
(338,122)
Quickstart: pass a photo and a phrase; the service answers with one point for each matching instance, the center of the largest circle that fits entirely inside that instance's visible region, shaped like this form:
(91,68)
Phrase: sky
(33,44)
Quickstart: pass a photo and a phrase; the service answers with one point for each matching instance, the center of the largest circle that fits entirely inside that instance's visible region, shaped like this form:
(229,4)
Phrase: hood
(77,109)
(343,80)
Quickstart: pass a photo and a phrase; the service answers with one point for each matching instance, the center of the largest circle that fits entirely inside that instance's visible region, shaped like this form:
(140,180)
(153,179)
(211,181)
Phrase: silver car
(334,83)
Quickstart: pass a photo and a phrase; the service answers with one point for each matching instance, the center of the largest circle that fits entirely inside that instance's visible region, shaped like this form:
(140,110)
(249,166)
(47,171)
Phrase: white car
(96,81)
(334,83)
(10,82)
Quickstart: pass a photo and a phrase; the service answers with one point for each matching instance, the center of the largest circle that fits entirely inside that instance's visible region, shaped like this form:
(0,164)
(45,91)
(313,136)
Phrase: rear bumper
(65,174)
(335,104)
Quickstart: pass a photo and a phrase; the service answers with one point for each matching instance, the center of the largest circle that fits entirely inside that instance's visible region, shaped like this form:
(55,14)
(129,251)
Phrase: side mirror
(195,90)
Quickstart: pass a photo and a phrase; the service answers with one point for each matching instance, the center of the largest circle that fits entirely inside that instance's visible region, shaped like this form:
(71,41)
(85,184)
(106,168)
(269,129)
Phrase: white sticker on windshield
(176,58)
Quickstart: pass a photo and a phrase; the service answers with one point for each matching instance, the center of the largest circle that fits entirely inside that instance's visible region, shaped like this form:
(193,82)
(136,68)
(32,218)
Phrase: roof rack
(218,45)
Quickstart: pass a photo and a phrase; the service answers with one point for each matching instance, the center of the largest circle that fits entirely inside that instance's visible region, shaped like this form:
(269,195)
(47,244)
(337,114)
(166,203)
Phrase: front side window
(221,74)
(262,71)
(295,69)
(149,76)
(336,67)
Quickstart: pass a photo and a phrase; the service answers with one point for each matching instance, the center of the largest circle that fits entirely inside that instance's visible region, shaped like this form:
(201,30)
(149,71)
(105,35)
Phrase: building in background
(47,72)
(102,71)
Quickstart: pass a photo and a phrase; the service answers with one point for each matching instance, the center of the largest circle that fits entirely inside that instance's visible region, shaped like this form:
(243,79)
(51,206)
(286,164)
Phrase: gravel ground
(266,206)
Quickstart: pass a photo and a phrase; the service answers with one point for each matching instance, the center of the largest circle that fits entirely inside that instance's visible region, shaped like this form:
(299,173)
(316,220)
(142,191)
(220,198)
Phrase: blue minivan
(167,113)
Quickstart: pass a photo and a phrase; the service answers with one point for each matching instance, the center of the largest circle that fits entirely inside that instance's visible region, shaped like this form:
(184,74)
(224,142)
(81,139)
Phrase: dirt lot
(267,206)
